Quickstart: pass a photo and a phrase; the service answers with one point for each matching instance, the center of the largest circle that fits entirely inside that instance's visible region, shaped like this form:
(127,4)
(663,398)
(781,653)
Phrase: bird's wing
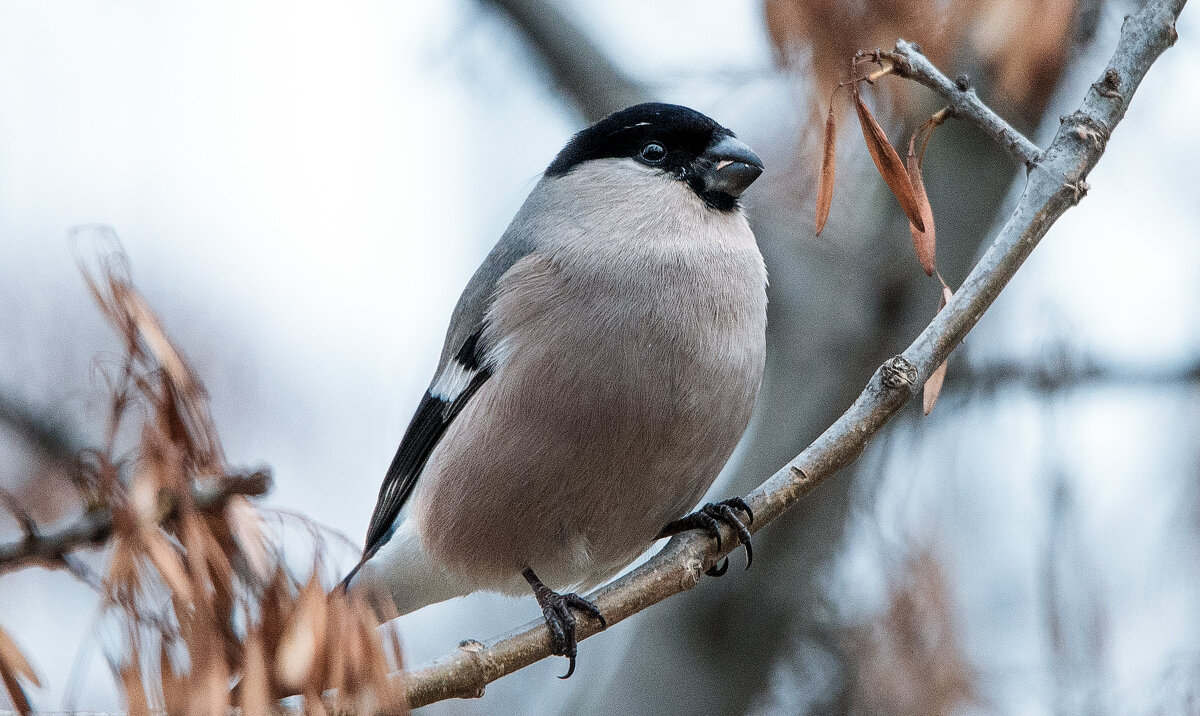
(463,368)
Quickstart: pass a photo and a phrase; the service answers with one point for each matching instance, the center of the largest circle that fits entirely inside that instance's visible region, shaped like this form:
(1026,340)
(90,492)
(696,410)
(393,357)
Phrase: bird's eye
(654,152)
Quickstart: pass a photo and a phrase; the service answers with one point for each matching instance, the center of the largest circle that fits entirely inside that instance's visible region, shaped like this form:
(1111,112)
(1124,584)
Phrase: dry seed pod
(924,241)
(13,660)
(175,691)
(255,686)
(888,162)
(828,171)
(933,385)
(136,703)
(298,657)
(166,560)
(13,664)
(933,388)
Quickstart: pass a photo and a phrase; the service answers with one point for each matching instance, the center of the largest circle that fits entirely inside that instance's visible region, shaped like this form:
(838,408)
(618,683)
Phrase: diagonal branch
(907,61)
(53,439)
(93,527)
(1058,185)
(597,86)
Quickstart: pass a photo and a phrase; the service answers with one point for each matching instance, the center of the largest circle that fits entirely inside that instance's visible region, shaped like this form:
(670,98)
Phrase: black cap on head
(680,141)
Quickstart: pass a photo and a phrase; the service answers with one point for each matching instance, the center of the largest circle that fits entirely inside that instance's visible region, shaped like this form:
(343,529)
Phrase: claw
(719,569)
(743,506)
(707,517)
(556,610)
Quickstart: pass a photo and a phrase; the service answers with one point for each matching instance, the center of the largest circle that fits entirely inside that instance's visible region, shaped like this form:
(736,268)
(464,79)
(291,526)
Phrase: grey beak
(734,167)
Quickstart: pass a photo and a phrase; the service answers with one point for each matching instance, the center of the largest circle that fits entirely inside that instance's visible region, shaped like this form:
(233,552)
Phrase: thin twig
(1076,148)
(909,62)
(92,528)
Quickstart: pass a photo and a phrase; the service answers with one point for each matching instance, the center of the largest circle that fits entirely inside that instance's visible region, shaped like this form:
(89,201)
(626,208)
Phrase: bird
(599,369)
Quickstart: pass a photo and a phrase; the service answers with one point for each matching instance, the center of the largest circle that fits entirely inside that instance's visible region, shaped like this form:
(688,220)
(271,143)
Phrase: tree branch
(907,61)
(52,438)
(1057,185)
(1071,374)
(597,86)
(93,527)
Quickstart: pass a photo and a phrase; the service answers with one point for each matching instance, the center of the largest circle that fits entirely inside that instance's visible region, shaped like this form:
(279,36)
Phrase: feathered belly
(598,428)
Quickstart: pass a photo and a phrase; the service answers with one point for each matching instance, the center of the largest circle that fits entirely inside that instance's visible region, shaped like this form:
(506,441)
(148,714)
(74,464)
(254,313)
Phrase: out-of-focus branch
(1050,378)
(1057,185)
(51,438)
(907,61)
(596,85)
(93,527)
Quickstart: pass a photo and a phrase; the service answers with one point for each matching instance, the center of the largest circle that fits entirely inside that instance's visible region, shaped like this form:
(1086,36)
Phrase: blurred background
(304,188)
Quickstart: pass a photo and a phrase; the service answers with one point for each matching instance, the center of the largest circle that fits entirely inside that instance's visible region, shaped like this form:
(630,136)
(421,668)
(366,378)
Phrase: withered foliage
(212,617)
(908,660)
(1021,45)
(888,162)
(14,668)
(925,236)
(828,170)
(933,386)
(903,178)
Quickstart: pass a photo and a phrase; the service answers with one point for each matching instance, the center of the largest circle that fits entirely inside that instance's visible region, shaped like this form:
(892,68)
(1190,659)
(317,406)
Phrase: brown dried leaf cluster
(1021,44)
(888,162)
(15,668)
(905,181)
(204,596)
(908,661)
(903,178)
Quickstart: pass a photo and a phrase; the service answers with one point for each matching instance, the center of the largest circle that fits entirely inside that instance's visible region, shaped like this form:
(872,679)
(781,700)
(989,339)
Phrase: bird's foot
(556,610)
(707,518)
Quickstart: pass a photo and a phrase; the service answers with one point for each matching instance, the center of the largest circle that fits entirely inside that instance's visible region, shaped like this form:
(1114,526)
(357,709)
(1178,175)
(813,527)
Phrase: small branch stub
(898,373)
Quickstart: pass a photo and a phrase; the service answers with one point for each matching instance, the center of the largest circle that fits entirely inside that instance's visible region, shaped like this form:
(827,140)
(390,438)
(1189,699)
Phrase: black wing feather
(433,416)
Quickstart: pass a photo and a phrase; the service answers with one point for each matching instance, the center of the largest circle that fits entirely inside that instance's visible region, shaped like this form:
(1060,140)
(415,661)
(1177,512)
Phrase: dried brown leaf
(132,688)
(123,573)
(13,661)
(246,527)
(16,694)
(888,162)
(337,664)
(387,692)
(13,664)
(277,607)
(933,384)
(933,388)
(175,690)
(166,560)
(828,171)
(297,659)
(924,241)
(255,687)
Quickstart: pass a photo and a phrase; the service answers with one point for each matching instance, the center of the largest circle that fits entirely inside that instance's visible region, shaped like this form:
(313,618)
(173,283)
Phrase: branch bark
(908,62)
(93,527)
(1056,182)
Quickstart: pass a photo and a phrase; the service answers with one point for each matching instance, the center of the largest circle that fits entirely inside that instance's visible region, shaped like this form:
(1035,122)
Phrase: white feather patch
(452,381)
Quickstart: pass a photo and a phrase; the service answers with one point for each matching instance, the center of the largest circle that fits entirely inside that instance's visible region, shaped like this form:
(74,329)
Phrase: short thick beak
(734,167)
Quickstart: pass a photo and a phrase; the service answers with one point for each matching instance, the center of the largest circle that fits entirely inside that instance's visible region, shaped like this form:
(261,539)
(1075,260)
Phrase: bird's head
(681,143)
